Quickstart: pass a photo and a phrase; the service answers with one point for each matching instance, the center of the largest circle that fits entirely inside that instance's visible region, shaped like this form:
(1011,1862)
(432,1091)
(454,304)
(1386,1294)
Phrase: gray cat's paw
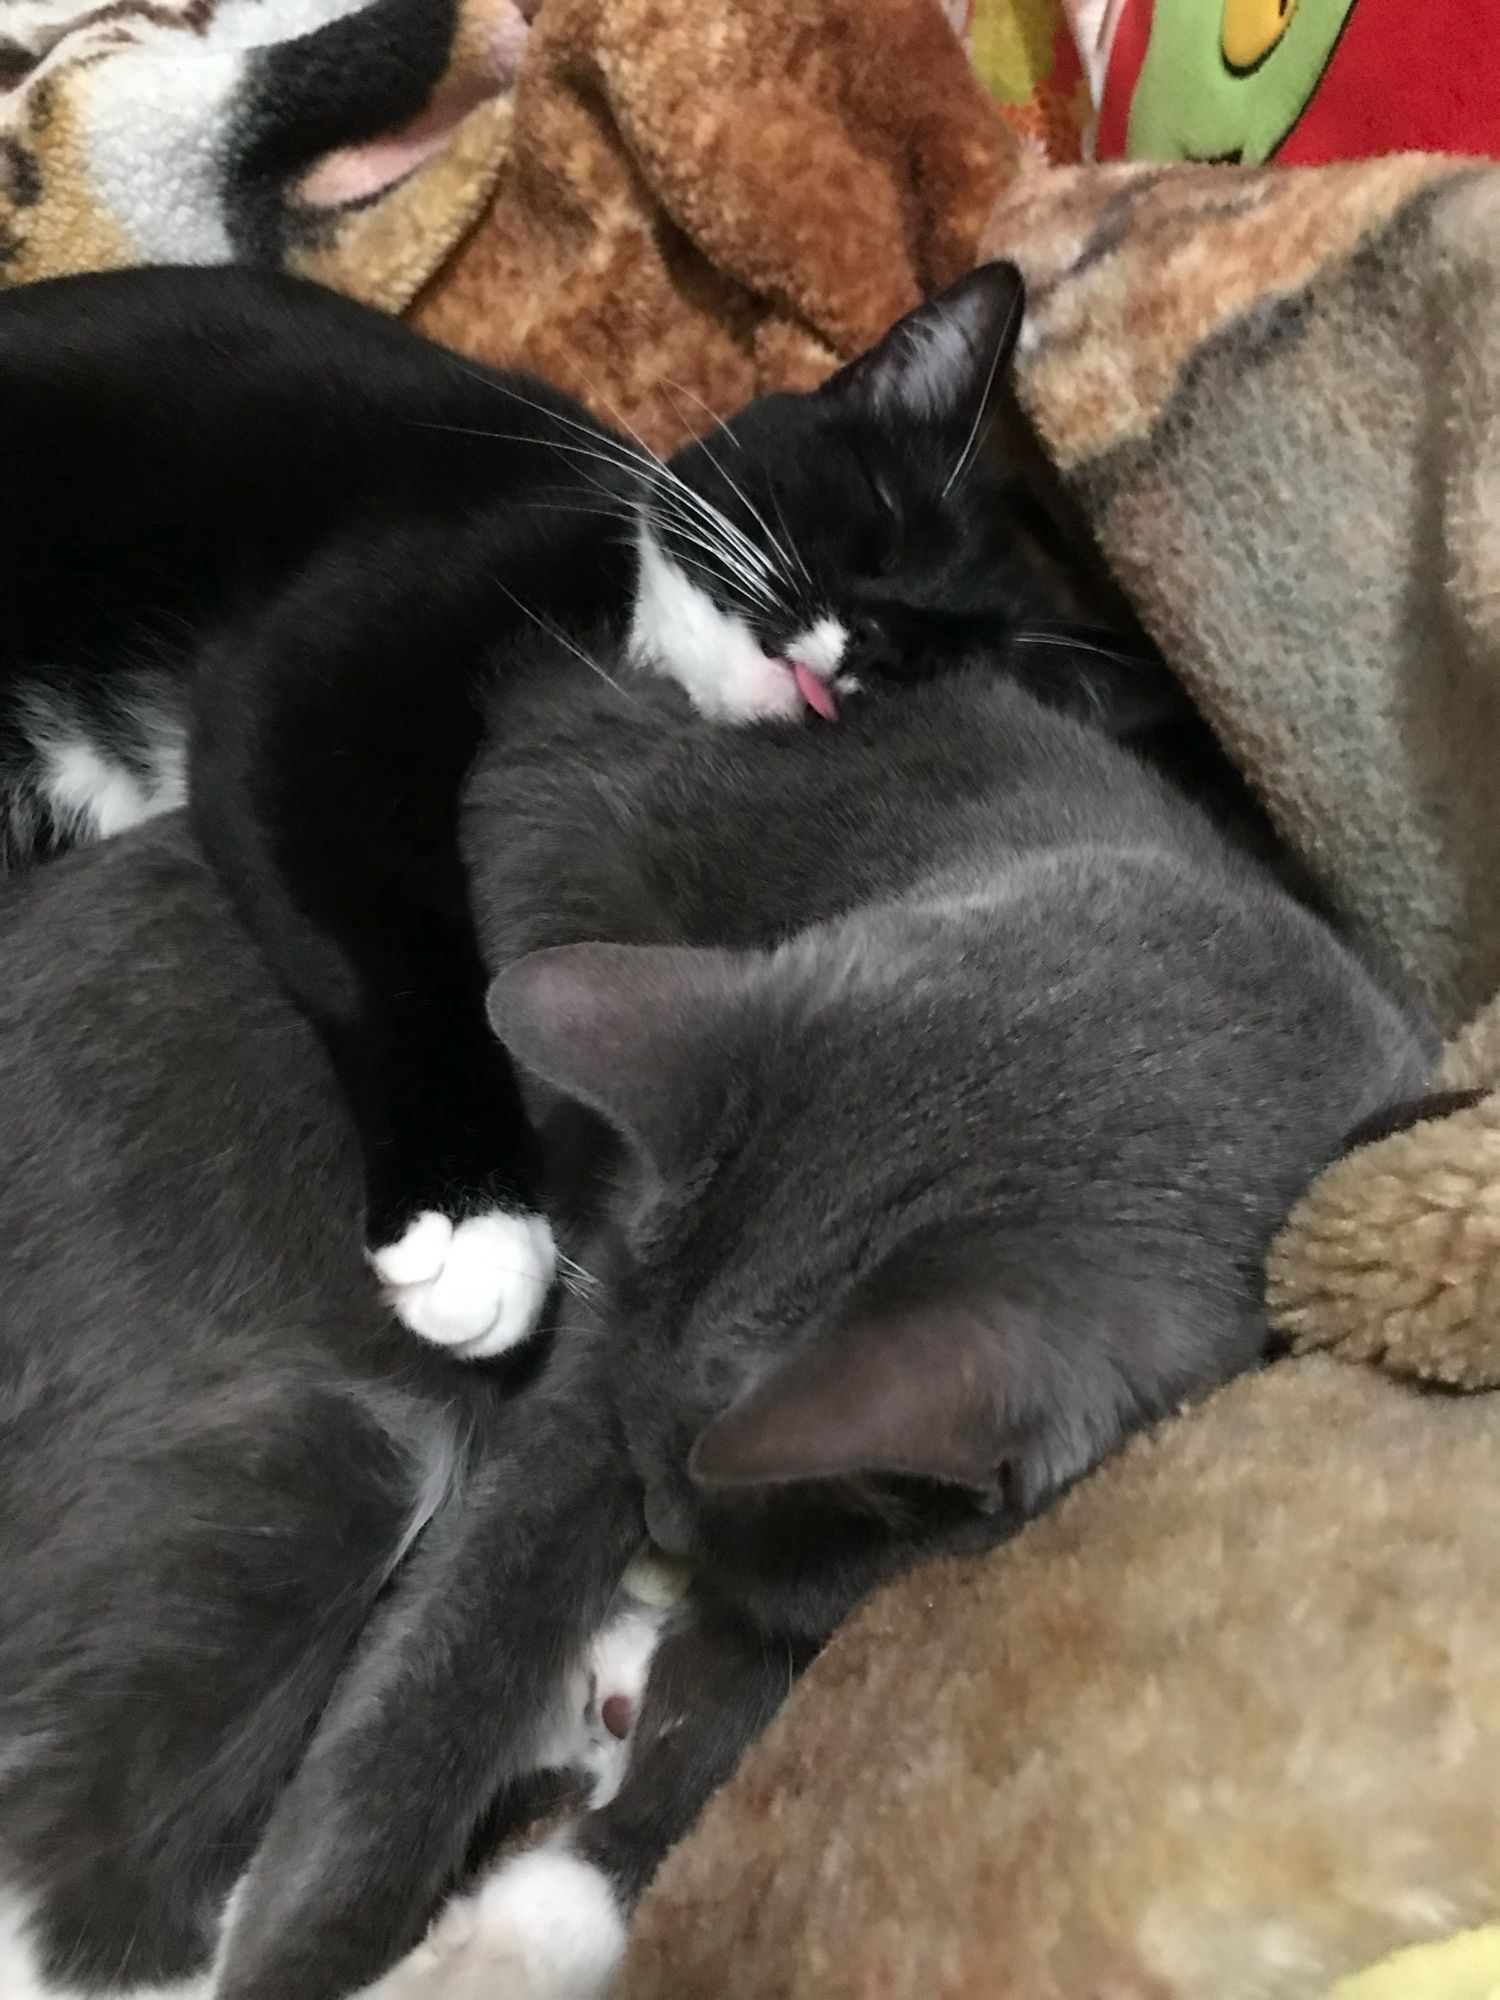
(475,1287)
(601,1697)
(543,1927)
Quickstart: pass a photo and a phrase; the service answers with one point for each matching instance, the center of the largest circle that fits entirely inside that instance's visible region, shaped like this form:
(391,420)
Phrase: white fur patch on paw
(476,1287)
(543,1927)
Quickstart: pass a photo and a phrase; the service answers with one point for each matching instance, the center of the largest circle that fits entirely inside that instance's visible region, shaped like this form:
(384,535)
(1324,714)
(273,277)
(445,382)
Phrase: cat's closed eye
(881,530)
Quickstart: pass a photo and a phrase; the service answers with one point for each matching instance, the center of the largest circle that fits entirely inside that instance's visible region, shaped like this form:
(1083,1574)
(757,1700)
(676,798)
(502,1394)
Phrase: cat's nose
(869,649)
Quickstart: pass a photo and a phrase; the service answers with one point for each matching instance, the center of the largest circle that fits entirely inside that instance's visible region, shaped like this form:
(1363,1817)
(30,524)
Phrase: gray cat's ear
(938,1373)
(897,1392)
(941,362)
(632,1031)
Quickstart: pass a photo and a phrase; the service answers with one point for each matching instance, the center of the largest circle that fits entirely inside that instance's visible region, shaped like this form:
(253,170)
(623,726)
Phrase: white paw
(476,1287)
(591,1726)
(543,1927)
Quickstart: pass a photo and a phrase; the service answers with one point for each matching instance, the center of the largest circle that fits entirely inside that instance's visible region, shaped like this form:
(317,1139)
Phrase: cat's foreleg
(453,1694)
(331,737)
(553,1923)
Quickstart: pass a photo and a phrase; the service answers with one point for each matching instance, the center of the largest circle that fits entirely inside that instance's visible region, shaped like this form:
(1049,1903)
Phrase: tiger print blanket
(746,190)
(351,140)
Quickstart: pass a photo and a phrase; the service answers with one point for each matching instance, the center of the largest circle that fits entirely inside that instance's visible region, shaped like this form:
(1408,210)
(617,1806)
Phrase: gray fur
(1001,1052)
(963,1147)
(215,1446)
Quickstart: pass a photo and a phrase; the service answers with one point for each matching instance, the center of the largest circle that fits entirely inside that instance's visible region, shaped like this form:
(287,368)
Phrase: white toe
(489,1286)
(418,1255)
(549,1924)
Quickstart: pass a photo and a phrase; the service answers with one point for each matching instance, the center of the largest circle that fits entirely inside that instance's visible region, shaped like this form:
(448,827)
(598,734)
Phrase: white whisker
(771,536)
(681,389)
(705,539)
(561,638)
(720,575)
(641,458)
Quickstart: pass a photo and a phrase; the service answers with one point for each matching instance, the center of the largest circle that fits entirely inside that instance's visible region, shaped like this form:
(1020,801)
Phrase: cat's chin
(679,630)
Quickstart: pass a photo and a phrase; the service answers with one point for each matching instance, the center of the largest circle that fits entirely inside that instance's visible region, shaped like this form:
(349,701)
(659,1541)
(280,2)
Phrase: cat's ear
(946,1370)
(632,1031)
(941,363)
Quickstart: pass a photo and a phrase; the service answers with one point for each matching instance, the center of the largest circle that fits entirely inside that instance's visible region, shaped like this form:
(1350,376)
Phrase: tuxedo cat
(269,549)
(918,1097)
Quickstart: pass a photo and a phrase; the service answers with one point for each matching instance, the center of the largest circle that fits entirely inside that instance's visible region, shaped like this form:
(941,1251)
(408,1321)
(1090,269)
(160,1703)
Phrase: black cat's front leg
(552,1923)
(331,740)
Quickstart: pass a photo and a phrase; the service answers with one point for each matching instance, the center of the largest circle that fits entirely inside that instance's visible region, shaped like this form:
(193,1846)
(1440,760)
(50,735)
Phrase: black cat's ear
(941,363)
(634,1032)
(945,1370)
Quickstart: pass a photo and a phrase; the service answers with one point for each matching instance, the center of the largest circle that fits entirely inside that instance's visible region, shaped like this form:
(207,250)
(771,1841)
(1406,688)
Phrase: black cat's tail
(82,757)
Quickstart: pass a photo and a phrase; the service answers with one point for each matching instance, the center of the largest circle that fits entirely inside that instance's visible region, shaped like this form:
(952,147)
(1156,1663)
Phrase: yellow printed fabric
(1466,1967)
(1024,54)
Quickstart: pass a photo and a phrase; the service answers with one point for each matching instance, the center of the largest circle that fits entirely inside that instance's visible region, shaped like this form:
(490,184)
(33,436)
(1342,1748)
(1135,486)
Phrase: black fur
(250,481)
(336,534)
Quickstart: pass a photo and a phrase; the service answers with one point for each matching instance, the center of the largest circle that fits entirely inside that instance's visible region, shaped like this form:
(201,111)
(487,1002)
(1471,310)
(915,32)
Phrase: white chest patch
(93,794)
(90,793)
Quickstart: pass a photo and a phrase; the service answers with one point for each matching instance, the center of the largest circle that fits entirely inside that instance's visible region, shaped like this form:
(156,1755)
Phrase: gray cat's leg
(553,1923)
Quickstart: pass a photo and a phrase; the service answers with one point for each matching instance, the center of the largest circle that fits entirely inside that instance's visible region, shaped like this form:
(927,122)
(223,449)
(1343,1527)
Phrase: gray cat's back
(615,812)
(1008,980)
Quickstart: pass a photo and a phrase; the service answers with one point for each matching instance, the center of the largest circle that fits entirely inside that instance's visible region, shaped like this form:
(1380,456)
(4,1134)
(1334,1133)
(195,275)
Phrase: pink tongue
(817,694)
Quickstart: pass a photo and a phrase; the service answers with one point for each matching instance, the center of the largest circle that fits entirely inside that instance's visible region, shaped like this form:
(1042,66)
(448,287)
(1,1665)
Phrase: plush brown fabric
(676,203)
(707,198)
(1223,1726)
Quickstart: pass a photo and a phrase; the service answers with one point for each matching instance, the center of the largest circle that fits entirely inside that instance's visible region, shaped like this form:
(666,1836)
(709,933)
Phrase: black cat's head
(897,520)
(850,1315)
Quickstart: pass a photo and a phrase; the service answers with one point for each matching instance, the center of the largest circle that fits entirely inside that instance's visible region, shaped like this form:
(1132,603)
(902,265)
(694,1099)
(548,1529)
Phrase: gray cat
(920,1095)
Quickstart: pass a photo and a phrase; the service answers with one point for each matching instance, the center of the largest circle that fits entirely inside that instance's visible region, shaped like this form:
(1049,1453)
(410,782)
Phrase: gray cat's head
(860,1300)
(893,522)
